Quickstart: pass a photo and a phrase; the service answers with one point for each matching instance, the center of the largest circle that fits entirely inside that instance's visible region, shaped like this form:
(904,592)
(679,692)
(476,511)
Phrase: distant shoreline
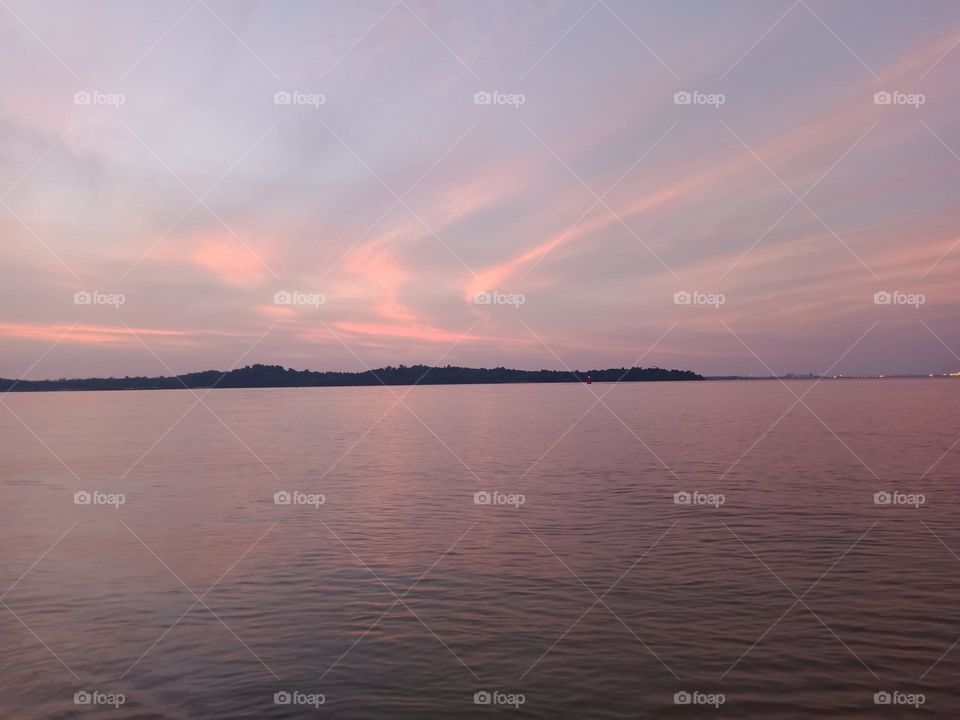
(276,376)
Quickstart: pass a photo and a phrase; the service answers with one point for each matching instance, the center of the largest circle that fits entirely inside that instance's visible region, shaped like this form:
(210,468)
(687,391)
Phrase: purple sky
(434,155)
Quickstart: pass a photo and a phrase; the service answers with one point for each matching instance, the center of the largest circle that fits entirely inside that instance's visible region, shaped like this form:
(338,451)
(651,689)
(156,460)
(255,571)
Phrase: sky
(733,188)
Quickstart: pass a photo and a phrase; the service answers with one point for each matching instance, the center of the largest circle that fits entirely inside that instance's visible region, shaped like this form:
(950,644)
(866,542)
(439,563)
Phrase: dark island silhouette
(273,376)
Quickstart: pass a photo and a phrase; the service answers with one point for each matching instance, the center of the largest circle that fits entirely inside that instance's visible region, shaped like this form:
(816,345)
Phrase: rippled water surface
(794,595)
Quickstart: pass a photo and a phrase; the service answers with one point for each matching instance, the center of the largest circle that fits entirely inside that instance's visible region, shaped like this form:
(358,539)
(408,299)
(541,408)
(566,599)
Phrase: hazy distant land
(270,376)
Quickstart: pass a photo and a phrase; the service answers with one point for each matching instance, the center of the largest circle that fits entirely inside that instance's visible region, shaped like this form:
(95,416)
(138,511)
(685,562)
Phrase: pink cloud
(229,260)
(85,334)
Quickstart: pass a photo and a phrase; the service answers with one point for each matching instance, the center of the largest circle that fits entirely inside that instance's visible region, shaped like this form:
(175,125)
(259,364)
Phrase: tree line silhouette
(268,376)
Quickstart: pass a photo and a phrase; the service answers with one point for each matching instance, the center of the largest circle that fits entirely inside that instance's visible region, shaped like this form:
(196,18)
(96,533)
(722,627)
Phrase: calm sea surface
(777,581)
